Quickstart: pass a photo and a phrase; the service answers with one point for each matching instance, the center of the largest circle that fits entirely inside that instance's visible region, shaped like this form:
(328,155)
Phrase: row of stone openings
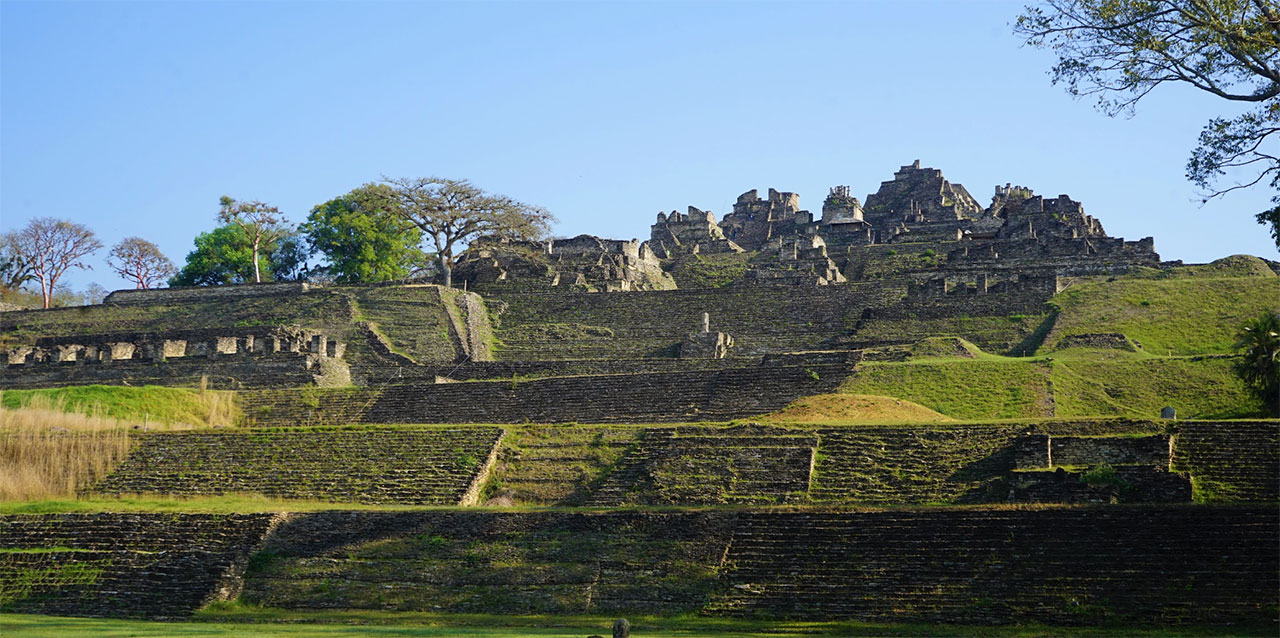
(983,284)
(162,349)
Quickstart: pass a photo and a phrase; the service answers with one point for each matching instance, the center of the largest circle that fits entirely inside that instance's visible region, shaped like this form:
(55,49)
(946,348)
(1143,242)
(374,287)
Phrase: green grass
(1182,316)
(712,270)
(1075,382)
(1233,266)
(128,403)
(1138,387)
(233,621)
(961,389)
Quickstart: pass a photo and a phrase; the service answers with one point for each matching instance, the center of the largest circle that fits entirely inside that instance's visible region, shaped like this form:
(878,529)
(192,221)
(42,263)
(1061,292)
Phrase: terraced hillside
(410,466)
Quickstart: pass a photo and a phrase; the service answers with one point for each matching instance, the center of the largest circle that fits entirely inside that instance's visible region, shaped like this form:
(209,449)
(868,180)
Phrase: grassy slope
(128,403)
(836,409)
(1083,383)
(961,388)
(1179,316)
(1204,389)
(227,621)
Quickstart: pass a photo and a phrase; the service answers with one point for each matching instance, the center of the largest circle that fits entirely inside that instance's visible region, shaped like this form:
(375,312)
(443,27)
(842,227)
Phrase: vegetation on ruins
(141,261)
(225,255)
(452,212)
(362,240)
(1259,366)
(50,247)
(1121,51)
(261,224)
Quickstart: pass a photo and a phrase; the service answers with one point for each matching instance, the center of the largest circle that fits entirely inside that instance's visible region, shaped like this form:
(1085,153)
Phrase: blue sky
(133,118)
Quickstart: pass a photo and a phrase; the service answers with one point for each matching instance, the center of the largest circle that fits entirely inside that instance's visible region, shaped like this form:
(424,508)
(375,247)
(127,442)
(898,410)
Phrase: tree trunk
(257,276)
(447,273)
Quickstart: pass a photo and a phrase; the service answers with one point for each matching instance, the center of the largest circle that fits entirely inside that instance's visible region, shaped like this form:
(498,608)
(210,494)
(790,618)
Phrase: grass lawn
(337,624)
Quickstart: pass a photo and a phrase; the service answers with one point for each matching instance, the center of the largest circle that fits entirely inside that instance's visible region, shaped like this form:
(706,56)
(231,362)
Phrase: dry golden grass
(46,452)
(838,409)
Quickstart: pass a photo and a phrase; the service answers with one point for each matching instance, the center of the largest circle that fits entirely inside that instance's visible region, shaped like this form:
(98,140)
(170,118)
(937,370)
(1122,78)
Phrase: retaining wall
(1062,565)
(407,466)
(131,565)
(718,395)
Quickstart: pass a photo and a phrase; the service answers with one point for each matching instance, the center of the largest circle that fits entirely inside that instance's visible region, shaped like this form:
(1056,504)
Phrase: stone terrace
(715,395)
(696,466)
(144,565)
(490,562)
(1166,564)
(407,466)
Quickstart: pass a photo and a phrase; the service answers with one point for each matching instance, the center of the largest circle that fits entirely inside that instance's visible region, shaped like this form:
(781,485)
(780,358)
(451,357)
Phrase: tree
(260,223)
(140,261)
(451,212)
(1121,50)
(221,256)
(1259,368)
(288,256)
(51,247)
(14,268)
(362,239)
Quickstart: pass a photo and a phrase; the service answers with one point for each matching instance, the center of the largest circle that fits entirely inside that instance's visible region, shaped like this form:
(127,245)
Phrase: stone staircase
(1230,460)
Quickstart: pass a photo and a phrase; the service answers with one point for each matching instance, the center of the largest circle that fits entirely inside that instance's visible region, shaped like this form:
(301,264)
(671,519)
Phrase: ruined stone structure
(632,438)
(695,232)
(257,357)
(584,261)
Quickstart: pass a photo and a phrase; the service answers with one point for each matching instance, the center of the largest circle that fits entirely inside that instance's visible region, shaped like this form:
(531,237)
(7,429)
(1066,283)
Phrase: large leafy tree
(452,212)
(141,262)
(1259,368)
(260,223)
(362,239)
(1119,51)
(51,247)
(221,256)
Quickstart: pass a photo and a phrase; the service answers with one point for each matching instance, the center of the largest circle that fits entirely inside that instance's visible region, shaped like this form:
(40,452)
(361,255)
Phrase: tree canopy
(452,212)
(1259,367)
(260,223)
(362,239)
(50,247)
(1119,51)
(225,256)
(141,262)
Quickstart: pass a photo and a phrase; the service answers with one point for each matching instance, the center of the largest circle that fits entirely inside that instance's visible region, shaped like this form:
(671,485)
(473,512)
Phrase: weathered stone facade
(584,261)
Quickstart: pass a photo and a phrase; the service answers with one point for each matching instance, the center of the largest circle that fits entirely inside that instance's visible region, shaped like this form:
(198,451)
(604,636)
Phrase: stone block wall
(130,565)
(1061,565)
(713,395)
(494,563)
(229,358)
(653,324)
(405,466)
(205,293)
(1230,461)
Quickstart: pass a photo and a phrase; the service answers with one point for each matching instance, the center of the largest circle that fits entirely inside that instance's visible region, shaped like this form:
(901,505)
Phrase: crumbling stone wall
(232,358)
(584,261)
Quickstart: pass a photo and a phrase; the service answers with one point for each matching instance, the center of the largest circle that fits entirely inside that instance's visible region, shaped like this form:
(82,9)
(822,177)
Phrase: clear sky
(133,118)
